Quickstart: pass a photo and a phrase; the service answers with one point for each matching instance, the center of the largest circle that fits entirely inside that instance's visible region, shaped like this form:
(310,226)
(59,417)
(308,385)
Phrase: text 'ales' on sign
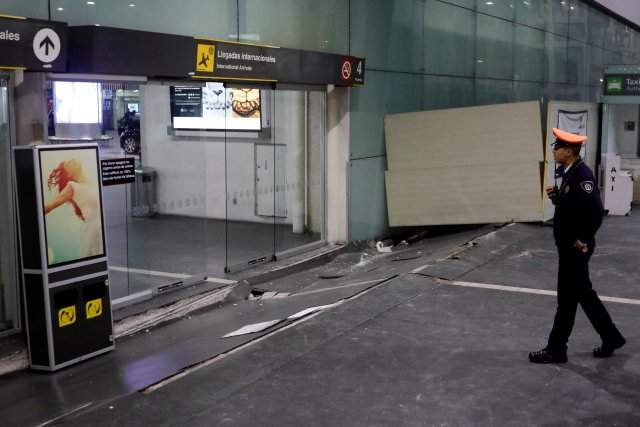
(205,57)
(32,44)
(118,171)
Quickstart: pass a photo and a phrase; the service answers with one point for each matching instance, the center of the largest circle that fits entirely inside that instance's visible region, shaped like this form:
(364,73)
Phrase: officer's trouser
(574,287)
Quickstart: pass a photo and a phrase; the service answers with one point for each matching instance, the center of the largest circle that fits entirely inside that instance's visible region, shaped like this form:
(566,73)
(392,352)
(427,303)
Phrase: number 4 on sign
(359,69)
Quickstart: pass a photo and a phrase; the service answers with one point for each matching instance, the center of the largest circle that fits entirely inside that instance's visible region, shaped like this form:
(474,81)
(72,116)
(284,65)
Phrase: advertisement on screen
(72,205)
(214,107)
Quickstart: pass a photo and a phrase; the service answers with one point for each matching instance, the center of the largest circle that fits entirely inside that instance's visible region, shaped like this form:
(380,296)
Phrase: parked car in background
(129,129)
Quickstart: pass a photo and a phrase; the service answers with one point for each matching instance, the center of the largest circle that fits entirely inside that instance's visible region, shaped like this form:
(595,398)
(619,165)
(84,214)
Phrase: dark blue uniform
(578,216)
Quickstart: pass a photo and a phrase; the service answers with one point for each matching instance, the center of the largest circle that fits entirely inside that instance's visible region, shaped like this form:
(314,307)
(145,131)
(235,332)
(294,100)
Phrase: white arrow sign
(46,46)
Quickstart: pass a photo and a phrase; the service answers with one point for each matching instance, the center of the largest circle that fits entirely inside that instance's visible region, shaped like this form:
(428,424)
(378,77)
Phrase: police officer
(578,215)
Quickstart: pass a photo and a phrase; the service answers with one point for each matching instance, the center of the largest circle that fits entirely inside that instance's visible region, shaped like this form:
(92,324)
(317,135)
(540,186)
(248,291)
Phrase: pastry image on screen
(215,107)
(72,205)
(245,102)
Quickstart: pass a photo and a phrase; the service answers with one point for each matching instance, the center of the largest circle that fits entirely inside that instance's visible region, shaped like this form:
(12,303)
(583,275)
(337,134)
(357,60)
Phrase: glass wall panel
(368,108)
(299,197)
(469,4)
(555,52)
(577,62)
(399,47)
(531,13)
(36,9)
(625,43)
(384,93)
(634,47)
(596,66)
(557,17)
(598,25)
(578,20)
(594,93)
(202,18)
(157,226)
(116,211)
(528,61)
(499,8)
(449,29)
(580,93)
(555,91)
(255,176)
(8,286)
(447,92)
(613,57)
(527,91)
(493,91)
(177,235)
(304,24)
(613,34)
(367,197)
(494,48)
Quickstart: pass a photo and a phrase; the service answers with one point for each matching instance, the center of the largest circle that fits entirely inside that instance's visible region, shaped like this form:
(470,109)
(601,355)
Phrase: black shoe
(546,356)
(606,349)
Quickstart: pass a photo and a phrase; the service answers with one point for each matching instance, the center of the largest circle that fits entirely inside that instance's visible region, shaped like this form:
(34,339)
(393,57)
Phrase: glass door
(275,174)
(156,226)
(253,182)
(8,297)
(174,161)
(300,115)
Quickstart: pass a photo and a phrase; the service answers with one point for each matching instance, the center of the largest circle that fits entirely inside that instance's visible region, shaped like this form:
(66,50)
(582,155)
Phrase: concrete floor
(432,334)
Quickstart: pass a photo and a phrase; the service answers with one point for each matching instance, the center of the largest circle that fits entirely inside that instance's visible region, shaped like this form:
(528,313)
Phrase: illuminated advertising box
(65,274)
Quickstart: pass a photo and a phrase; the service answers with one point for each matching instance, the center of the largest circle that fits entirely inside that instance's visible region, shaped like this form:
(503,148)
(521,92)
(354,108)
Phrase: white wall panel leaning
(465,165)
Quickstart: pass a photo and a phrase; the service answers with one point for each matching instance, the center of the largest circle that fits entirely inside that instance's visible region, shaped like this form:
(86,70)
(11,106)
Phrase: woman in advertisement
(83,195)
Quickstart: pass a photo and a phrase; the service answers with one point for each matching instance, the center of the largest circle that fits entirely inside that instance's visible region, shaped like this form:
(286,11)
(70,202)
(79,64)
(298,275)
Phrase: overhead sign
(622,84)
(31,44)
(243,61)
(171,56)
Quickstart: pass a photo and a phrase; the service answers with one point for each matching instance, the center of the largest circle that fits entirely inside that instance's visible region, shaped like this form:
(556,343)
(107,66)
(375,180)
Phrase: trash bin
(143,193)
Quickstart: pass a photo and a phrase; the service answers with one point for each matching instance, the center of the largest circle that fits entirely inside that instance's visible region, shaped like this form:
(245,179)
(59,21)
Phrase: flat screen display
(77,102)
(214,107)
(72,202)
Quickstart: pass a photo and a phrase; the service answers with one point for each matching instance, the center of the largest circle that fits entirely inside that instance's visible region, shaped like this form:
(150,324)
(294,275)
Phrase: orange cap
(569,138)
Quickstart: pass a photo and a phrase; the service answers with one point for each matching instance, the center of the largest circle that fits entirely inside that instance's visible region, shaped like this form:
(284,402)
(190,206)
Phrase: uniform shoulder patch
(587,186)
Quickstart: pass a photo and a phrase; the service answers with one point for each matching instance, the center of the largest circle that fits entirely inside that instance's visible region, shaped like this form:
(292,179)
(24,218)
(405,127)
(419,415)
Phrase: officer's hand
(551,191)
(582,247)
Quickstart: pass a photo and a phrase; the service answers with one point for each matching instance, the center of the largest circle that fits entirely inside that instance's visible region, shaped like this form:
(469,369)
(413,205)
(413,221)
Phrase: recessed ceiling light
(91,2)
(60,8)
(97,25)
(132,5)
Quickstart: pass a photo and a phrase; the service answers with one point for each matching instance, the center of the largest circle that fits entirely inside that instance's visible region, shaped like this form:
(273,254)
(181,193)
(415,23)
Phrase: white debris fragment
(382,248)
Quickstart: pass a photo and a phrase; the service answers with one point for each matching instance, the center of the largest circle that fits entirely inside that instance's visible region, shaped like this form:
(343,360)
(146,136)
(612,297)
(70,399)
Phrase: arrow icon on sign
(47,43)
(46,46)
